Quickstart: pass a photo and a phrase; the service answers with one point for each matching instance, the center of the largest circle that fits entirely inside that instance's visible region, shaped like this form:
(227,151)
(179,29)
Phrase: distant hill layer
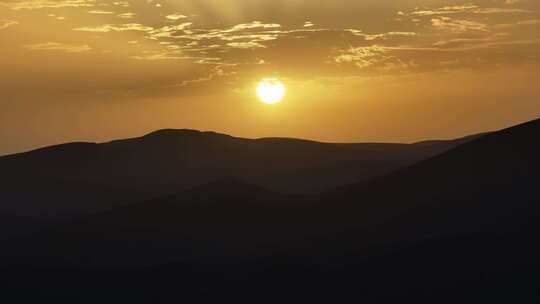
(460,226)
(171,160)
(487,185)
(77,178)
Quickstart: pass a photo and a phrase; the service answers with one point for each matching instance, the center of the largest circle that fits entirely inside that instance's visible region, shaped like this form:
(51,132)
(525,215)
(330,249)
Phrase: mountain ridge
(409,205)
(191,132)
(168,161)
(459,226)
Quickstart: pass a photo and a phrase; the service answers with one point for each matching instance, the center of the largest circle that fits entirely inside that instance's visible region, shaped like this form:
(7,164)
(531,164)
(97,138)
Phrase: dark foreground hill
(460,227)
(58,182)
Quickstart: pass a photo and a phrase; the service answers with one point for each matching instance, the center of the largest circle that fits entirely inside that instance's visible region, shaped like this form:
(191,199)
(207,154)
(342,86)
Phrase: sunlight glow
(271,90)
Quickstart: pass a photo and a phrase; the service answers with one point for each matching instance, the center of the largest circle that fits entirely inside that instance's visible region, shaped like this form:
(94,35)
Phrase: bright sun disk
(271,90)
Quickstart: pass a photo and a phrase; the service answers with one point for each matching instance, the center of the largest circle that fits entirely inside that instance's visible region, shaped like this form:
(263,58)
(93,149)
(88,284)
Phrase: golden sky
(355,70)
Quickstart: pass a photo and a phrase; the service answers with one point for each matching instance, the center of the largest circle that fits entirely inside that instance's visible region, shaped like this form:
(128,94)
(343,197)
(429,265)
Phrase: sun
(271,90)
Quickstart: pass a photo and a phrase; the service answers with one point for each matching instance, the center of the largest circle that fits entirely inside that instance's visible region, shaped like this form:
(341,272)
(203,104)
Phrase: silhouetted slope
(459,227)
(488,177)
(167,161)
(465,190)
(210,220)
(80,178)
(30,203)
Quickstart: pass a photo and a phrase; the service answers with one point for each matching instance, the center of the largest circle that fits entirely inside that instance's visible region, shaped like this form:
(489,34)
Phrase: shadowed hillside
(171,160)
(61,181)
(463,222)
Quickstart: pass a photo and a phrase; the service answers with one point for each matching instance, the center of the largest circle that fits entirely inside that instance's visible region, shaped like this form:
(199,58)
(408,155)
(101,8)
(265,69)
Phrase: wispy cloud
(7,23)
(100,12)
(519,23)
(175,16)
(127,15)
(140,32)
(252,25)
(115,28)
(461,9)
(457,25)
(55,46)
(38,4)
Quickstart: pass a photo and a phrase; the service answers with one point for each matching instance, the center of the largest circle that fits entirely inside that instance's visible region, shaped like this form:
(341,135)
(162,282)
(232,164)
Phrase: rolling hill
(456,227)
(59,182)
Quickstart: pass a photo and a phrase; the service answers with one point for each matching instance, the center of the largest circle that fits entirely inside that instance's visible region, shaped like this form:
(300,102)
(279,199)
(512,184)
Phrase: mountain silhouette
(171,160)
(459,226)
(54,183)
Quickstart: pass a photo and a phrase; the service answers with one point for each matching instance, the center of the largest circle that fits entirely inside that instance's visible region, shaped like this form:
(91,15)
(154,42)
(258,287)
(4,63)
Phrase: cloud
(246,45)
(519,23)
(159,56)
(252,25)
(384,36)
(100,12)
(499,10)
(176,16)
(362,56)
(375,57)
(127,15)
(38,4)
(460,43)
(457,25)
(167,31)
(471,9)
(436,38)
(55,46)
(7,23)
(444,10)
(115,28)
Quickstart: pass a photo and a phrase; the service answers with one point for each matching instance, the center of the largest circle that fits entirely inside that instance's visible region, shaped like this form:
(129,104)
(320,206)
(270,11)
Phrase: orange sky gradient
(355,71)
